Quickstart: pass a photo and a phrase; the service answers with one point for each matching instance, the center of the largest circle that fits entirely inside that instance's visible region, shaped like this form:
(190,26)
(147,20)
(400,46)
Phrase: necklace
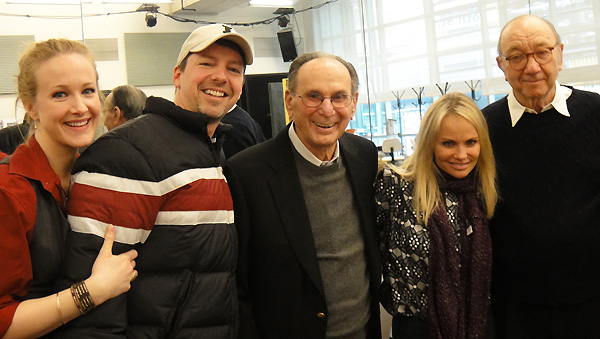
(65,196)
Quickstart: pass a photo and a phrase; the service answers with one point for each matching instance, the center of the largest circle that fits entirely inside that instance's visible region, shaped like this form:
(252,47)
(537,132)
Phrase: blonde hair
(421,169)
(36,54)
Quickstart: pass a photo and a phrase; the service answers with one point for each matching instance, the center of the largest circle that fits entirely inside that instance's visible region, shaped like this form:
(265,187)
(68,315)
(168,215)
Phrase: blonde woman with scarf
(432,219)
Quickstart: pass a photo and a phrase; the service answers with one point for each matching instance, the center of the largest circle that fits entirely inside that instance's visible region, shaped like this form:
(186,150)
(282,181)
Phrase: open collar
(306,154)
(559,103)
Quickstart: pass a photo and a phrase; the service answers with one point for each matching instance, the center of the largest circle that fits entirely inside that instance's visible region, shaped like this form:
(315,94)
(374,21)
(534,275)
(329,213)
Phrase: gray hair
(130,100)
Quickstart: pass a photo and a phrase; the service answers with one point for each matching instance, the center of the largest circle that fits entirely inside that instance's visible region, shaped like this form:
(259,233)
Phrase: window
(409,45)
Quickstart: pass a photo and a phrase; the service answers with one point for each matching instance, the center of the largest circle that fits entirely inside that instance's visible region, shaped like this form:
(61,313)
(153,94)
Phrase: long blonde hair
(420,167)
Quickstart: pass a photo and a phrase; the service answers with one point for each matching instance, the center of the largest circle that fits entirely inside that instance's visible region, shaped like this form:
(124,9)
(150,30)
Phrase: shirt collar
(306,154)
(30,161)
(559,103)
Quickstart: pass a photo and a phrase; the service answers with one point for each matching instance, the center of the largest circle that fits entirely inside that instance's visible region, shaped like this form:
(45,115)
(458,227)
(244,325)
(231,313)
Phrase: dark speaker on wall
(287,45)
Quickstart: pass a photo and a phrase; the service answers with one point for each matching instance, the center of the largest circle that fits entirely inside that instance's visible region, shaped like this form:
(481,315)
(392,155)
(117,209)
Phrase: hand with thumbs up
(111,274)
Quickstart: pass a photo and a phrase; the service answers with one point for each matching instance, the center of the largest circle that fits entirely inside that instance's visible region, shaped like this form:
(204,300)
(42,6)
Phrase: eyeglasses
(519,61)
(316,99)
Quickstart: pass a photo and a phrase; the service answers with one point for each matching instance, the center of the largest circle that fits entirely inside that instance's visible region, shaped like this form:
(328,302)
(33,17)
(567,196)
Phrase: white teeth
(324,126)
(215,93)
(77,124)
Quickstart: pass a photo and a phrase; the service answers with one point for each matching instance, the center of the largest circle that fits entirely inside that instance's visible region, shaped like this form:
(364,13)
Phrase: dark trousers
(409,328)
(516,320)
(415,328)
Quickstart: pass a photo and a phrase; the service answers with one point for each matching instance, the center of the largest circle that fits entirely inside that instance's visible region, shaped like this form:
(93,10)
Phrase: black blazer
(280,290)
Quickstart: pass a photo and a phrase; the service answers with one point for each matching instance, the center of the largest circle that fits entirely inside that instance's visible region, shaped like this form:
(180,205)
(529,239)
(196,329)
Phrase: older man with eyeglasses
(308,263)
(546,228)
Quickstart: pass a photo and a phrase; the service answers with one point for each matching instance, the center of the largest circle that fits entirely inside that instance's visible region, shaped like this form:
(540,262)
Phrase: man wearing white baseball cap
(158,180)
(245,130)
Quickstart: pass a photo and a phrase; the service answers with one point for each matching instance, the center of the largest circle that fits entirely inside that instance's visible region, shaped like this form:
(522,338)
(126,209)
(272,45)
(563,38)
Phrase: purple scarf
(459,282)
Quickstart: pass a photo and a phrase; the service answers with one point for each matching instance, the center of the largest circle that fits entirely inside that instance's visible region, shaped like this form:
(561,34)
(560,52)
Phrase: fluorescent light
(136,1)
(48,2)
(272,3)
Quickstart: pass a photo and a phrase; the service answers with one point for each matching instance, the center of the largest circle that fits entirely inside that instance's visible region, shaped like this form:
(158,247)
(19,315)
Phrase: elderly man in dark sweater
(546,229)
(308,263)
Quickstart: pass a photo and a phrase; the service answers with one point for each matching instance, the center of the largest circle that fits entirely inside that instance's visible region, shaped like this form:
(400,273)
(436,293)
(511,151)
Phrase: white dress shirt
(559,102)
(306,154)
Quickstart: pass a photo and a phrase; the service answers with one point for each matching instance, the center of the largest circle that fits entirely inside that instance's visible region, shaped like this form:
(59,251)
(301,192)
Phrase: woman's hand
(111,274)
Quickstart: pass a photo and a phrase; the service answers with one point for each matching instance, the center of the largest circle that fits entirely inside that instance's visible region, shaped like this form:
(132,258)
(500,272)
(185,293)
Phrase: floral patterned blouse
(404,245)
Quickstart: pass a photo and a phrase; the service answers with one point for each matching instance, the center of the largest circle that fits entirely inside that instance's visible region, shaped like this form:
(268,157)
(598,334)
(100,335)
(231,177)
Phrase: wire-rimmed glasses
(316,99)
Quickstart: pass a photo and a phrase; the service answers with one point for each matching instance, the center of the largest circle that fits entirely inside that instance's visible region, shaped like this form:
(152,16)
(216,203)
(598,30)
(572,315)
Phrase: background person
(246,131)
(158,179)
(124,103)
(12,136)
(432,221)
(58,86)
(308,261)
(546,228)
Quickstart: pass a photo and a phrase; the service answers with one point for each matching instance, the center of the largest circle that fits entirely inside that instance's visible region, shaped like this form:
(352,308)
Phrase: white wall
(97,24)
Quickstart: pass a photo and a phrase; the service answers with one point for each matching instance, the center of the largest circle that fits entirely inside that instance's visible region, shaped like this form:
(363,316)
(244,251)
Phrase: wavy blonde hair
(421,169)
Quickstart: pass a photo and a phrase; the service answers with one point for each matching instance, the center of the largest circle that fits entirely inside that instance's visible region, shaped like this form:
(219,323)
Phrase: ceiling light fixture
(272,3)
(150,19)
(283,21)
(152,10)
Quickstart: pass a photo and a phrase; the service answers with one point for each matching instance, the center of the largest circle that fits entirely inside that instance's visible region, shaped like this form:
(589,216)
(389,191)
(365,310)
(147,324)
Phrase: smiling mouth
(459,165)
(214,93)
(324,126)
(78,124)
(533,80)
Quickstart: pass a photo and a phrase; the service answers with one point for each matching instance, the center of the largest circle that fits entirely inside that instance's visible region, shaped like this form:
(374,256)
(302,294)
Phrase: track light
(150,19)
(152,9)
(284,16)
(283,21)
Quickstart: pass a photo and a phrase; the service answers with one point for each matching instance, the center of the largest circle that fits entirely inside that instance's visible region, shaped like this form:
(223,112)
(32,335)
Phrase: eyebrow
(202,54)
(343,91)
(241,63)
(538,45)
(215,58)
(448,138)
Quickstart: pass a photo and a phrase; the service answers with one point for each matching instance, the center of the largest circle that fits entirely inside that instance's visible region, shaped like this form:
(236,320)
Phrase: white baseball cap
(203,37)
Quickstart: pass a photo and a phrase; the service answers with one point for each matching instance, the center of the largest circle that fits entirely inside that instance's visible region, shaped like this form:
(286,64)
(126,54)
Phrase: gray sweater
(335,224)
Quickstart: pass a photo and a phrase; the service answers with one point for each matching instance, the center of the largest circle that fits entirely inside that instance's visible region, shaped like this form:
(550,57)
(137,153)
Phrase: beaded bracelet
(82,297)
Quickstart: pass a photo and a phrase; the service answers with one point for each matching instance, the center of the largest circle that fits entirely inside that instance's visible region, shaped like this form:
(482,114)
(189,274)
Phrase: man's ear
(560,56)
(117,113)
(177,77)
(499,62)
(288,104)
(355,103)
